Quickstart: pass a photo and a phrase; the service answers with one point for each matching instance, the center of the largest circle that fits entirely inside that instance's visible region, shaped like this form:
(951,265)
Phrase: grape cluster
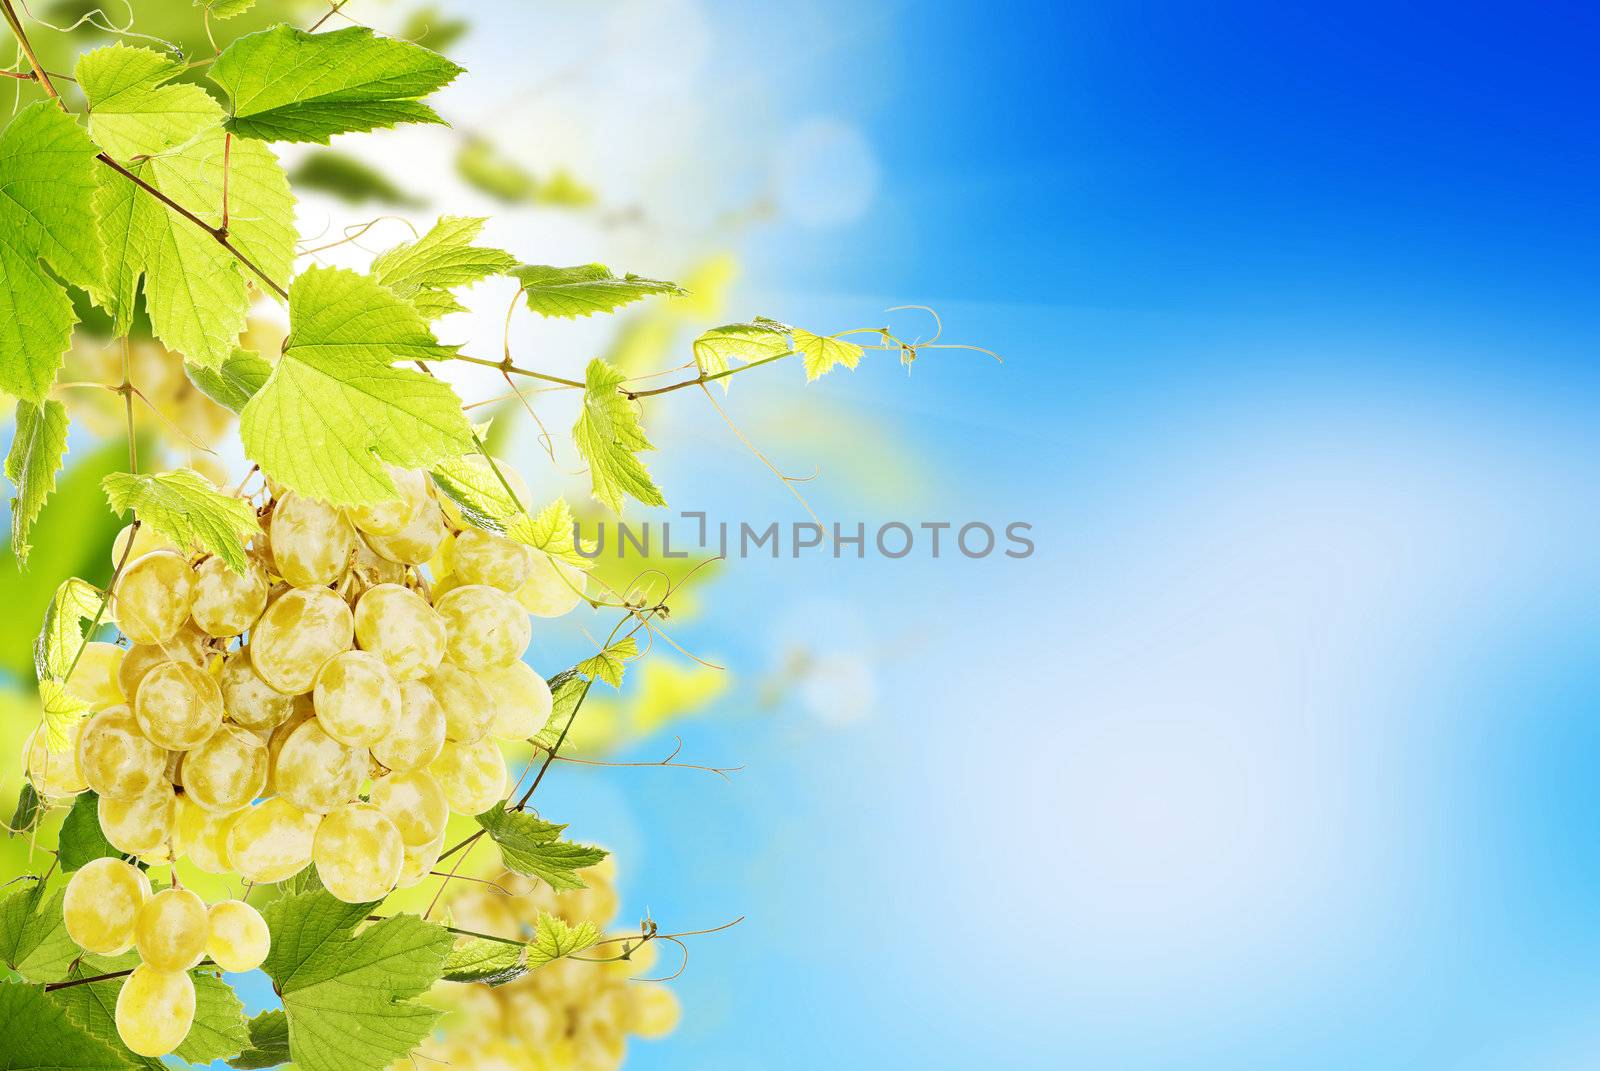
(569,1015)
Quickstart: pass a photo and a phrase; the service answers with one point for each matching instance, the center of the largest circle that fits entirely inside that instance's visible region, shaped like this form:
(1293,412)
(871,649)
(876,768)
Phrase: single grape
(102,903)
(418,735)
(485,473)
(153,596)
(315,772)
(178,705)
(357,699)
(227,603)
(227,771)
(94,678)
(239,940)
(418,862)
(56,775)
(397,625)
(190,645)
(415,803)
(155,1009)
(484,627)
(117,759)
(246,698)
(468,710)
(416,542)
(170,932)
(521,700)
(473,776)
(553,588)
(139,826)
(391,516)
(484,558)
(202,836)
(312,542)
(301,630)
(358,853)
(147,539)
(272,840)
(300,713)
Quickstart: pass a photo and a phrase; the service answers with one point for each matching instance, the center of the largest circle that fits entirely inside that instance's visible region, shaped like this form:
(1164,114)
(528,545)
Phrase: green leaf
(218,1030)
(348,995)
(335,408)
(185,507)
(608,435)
(745,343)
(38,444)
(62,710)
(170,135)
(551,531)
(431,26)
(567,690)
(485,504)
(48,232)
(493,963)
(608,664)
(284,84)
(81,839)
(235,382)
(583,289)
(225,9)
(484,167)
(269,1042)
(822,352)
(529,845)
(426,270)
(348,179)
(25,819)
(555,939)
(33,935)
(73,606)
(36,1035)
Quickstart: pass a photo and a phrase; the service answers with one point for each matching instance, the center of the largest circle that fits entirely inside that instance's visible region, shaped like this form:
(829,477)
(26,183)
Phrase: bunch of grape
(109,909)
(574,1014)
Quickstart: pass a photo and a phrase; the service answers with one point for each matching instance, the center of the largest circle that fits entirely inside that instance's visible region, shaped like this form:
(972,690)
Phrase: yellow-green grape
(398,625)
(358,853)
(553,589)
(146,540)
(272,840)
(155,1010)
(153,596)
(473,776)
(484,627)
(416,542)
(227,771)
(246,698)
(357,699)
(190,645)
(521,700)
(227,603)
(415,803)
(300,713)
(468,710)
(301,630)
(486,472)
(312,542)
(418,735)
(94,678)
(55,775)
(387,518)
(315,772)
(178,705)
(139,826)
(418,862)
(239,939)
(170,932)
(117,759)
(484,558)
(102,904)
(202,836)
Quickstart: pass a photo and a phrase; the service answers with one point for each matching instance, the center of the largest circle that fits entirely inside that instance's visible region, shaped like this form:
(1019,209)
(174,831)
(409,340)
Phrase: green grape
(139,826)
(357,699)
(553,589)
(153,596)
(416,542)
(117,759)
(239,938)
(312,542)
(246,698)
(178,706)
(155,1009)
(226,603)
(389,517)
(418,862)
(190,645)
(94,678)
(301,630)
(483,558)
(473,776)
(202,836)
(468,710)
(102,903)
(358,853)
(415,803)
(484,627)
(418,735)
(521,701)
(146,540)
(170,932)
(227,771)
(56,775)
(452,512)
(315,772)
(272,840)
(398,625)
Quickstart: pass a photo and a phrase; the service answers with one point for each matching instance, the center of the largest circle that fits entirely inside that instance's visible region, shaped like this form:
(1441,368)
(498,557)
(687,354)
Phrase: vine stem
(99,615)
(517,371)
